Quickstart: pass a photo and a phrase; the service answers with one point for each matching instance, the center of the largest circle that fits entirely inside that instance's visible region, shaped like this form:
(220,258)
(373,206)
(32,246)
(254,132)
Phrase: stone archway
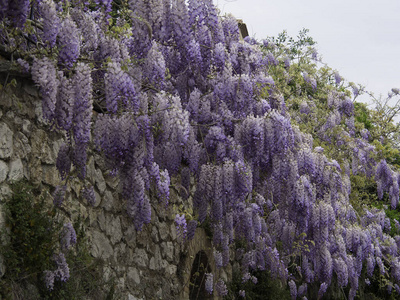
(197,279)
(198,257)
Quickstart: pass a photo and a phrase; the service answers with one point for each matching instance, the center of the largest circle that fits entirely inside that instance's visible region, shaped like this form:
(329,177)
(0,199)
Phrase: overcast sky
(358,38)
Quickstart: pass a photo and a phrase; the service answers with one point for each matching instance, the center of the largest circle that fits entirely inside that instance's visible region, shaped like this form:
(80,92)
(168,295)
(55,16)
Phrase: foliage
(31,238)
(287,165)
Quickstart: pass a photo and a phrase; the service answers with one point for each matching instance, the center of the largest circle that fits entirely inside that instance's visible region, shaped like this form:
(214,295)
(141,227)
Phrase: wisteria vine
(163,88)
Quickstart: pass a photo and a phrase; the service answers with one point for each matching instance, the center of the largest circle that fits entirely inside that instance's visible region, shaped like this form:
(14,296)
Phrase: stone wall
(150,264)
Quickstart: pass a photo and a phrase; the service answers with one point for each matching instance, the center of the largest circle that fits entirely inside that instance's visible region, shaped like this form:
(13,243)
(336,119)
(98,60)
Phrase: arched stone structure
(199,251)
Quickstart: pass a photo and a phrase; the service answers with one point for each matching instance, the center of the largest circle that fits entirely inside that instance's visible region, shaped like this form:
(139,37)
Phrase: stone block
(21,145)
(3,171)
(168,250)
(140,258)
(101,246)
(16,170)
(100,182)
(133,276)
(108,201)
(50,175)
(113,229)
(6,141)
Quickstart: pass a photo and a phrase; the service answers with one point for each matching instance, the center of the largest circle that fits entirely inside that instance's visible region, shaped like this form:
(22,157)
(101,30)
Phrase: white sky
(359,38)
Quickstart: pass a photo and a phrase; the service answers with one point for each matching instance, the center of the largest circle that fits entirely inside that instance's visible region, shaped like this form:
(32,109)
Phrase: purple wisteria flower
(68,237)
(59,195)
(89,195)
(181,226)
(50,20)
(69,43)
(221,288)
(209,285)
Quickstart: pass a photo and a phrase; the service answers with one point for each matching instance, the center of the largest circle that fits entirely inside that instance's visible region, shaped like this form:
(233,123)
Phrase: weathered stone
(31,90)
(101,220)
(156,260)
(90,169)
(6,141)
(154,234)
(3,171)
(101,246)
(168,250)
(10,115)
(35,170)
(120,255)
(100,182)
(113,229)
(16,170)
(26,127)
(133,276)
(131,297)
(41,148)
(55,149)
(97,197)
(163,229)
(2,266)
(140,258)
(21,145)
(171,269)
(39,113)
(143,237)
(130,236)
(51,175)
(5,191)
(112,181)
(108,201)
(173,232)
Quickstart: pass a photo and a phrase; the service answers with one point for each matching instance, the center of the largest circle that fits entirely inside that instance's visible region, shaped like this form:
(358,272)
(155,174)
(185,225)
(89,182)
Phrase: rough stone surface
(6,141)
(21,145)
(140,258)
(113,229)
(133,275)
(3,171)
(16,170)
(100,182)
(51,175)
(101,246)
(5,191)
(149,264)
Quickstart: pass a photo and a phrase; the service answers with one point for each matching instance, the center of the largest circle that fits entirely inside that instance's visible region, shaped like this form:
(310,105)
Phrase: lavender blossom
(49,278)
(191,229)
(181,226)
(69,43)
(82,110)
(63,162)
(44,75)
(209,283)
(59,195)
(62,271)
(119,89)
(322,289)
(18,12)
(221,289)
(338,78)
(64,104)
(89,195)
(50,21)
(293,289)
(68,237)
